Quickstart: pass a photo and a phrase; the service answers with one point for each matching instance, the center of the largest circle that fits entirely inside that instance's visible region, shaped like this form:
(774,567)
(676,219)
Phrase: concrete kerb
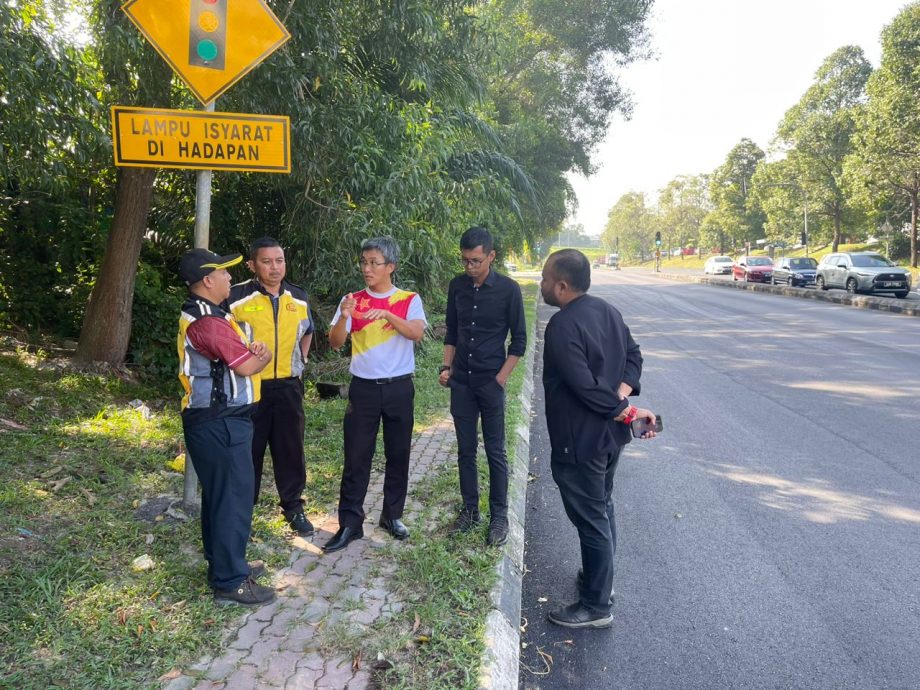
(844,298)
(501,659)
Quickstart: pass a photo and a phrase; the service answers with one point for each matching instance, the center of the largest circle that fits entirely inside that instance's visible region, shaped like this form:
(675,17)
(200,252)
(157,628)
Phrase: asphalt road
(770,536)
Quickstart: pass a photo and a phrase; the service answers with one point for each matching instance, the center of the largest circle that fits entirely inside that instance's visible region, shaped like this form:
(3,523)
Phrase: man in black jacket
(590,364)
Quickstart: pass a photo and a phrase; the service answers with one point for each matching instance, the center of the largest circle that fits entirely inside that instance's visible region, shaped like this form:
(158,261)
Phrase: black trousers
(586,489)
(468,405)
(368,404)
(278,423)
(220,452)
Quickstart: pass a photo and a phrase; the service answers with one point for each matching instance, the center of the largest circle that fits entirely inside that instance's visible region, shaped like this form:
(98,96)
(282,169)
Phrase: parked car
(716,265)
(757,269)
(795,270)
(866,272)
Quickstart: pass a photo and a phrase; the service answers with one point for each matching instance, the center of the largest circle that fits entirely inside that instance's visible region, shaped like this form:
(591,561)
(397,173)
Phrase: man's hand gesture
(348,306)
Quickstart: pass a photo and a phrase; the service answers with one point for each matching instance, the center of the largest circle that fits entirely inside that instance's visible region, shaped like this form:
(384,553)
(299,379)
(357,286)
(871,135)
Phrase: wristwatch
(443,368)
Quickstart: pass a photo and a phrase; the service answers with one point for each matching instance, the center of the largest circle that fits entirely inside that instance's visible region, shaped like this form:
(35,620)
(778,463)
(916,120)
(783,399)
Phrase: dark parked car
(757,269)
(862,272)
(795,270)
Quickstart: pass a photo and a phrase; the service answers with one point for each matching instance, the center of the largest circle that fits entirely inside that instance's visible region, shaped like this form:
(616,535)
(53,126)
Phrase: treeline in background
(847,155)
(413,119)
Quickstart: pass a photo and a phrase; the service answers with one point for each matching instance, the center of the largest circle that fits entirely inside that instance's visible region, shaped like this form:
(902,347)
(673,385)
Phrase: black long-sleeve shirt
(479,320)
(587,352)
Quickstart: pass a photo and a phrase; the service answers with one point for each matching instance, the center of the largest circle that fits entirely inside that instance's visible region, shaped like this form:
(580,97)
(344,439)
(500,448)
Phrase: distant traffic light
(207,44)
(804,237)
(657,239)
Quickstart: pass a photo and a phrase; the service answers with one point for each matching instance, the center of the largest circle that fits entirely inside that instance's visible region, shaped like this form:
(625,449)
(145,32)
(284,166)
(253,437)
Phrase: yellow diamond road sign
(211,44)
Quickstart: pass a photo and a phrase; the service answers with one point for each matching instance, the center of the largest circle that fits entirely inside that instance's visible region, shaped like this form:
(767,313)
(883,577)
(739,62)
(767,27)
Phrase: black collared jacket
(588,351)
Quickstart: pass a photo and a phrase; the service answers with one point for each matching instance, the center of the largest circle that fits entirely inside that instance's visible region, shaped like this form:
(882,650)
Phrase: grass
(78,460)
(75,613)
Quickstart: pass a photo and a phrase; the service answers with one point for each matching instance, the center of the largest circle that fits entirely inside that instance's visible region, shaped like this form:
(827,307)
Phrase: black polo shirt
(479,320)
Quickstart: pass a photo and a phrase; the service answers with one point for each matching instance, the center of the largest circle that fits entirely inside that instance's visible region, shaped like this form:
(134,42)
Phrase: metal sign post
(202,232)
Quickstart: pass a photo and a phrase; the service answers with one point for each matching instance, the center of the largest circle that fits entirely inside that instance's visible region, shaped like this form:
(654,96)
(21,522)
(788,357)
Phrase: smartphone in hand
(641,426)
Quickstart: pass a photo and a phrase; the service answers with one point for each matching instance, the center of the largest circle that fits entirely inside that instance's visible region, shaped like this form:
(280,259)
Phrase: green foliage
(736,212)
(682,206)
(887,139)
(631,226)
(155,318)
(785,202)
(52,144)
(818,133)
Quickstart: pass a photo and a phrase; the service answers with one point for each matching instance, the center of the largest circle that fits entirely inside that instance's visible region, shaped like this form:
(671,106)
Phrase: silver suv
(862,272)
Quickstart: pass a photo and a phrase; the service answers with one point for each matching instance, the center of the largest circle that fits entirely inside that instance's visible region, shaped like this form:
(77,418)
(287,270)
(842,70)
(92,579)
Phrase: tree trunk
(836,230)
(107,324)
(913,226)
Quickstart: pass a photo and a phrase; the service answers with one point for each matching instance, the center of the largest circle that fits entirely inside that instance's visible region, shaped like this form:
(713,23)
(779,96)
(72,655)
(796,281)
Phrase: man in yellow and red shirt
(385,323)
(275,311)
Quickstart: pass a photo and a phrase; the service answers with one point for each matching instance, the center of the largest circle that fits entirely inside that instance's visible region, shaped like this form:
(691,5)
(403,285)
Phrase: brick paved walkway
(276,646)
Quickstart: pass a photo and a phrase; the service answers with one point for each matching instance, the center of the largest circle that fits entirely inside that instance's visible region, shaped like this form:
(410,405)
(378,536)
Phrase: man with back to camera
(590,364)
(385,322)
(275,311)
(218,368)
(483,307)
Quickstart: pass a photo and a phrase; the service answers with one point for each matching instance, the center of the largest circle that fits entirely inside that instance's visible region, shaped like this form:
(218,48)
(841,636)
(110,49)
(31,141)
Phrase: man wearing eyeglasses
(385,323)
(483,308)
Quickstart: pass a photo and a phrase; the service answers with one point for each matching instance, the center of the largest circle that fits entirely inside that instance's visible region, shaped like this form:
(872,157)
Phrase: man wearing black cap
(218,368)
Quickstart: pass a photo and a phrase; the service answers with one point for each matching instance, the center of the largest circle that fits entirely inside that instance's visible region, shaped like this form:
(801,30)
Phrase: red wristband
(630,414)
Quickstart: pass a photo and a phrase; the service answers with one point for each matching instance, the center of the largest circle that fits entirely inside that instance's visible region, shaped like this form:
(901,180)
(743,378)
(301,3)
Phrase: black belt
(381,382)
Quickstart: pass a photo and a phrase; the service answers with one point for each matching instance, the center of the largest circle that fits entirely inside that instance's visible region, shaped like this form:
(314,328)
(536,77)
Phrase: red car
(757,269)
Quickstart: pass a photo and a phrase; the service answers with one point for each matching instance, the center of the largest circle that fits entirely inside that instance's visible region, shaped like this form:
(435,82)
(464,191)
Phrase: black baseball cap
(198,263)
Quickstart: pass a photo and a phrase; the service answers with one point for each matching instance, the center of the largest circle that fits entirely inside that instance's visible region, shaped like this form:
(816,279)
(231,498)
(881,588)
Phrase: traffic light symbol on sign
(657,239)
(207,46)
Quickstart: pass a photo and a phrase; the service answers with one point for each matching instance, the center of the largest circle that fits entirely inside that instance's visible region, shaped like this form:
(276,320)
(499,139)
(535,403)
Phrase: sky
(723,70)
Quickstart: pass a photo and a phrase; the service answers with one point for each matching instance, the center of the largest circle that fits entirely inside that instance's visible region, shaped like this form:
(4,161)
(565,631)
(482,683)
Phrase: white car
(718,264)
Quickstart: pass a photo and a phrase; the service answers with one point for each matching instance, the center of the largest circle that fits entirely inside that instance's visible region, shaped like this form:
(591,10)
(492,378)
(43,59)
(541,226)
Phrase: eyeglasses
(373,264)
(475,263)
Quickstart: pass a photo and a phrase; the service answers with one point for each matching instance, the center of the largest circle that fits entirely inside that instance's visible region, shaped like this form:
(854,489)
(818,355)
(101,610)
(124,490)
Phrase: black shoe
(577,616)
(343,538)
(580,578)
(247,593)
(498,532)
(299,523)
(467,520)
(395,527)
